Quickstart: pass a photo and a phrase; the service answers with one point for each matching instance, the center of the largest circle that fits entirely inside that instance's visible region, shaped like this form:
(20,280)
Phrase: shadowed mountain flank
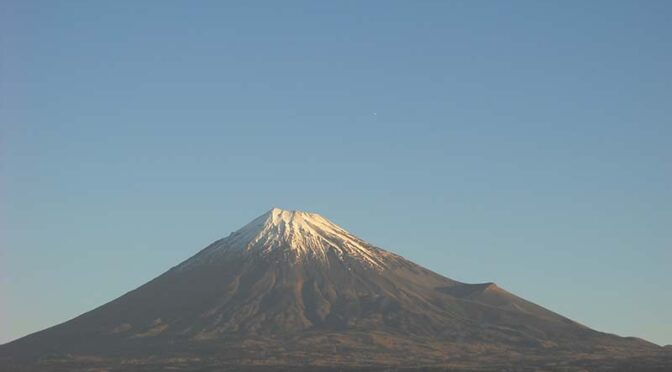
(294,289)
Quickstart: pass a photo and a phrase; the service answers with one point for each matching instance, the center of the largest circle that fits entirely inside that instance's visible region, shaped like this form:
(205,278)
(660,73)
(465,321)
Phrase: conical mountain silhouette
(292,288)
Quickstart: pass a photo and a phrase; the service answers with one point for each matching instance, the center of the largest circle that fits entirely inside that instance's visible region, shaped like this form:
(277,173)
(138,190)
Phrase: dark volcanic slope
(292,288)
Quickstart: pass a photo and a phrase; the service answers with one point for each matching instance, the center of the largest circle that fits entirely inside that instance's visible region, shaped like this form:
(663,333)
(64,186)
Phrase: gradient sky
(526,143)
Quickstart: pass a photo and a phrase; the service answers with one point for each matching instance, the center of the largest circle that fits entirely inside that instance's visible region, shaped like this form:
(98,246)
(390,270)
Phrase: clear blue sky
(525,143)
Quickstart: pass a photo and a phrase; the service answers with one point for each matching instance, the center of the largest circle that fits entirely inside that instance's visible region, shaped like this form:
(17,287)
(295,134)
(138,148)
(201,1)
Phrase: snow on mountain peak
(302,234)
(294,219)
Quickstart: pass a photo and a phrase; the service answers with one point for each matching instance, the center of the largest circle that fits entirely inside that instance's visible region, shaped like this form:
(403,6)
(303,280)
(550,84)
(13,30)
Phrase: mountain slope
(293,288)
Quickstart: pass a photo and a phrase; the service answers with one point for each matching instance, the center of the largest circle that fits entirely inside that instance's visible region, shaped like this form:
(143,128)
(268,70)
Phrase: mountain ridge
(293,288)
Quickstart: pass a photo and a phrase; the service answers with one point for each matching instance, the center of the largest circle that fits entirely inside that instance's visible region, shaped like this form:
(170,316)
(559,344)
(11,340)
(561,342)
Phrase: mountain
(293,290)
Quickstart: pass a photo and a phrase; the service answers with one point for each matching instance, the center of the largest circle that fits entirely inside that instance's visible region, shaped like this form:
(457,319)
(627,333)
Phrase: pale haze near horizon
(523,143)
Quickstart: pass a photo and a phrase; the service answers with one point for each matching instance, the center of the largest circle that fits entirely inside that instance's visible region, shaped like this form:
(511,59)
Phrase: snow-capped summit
(279,223)
(298,235)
